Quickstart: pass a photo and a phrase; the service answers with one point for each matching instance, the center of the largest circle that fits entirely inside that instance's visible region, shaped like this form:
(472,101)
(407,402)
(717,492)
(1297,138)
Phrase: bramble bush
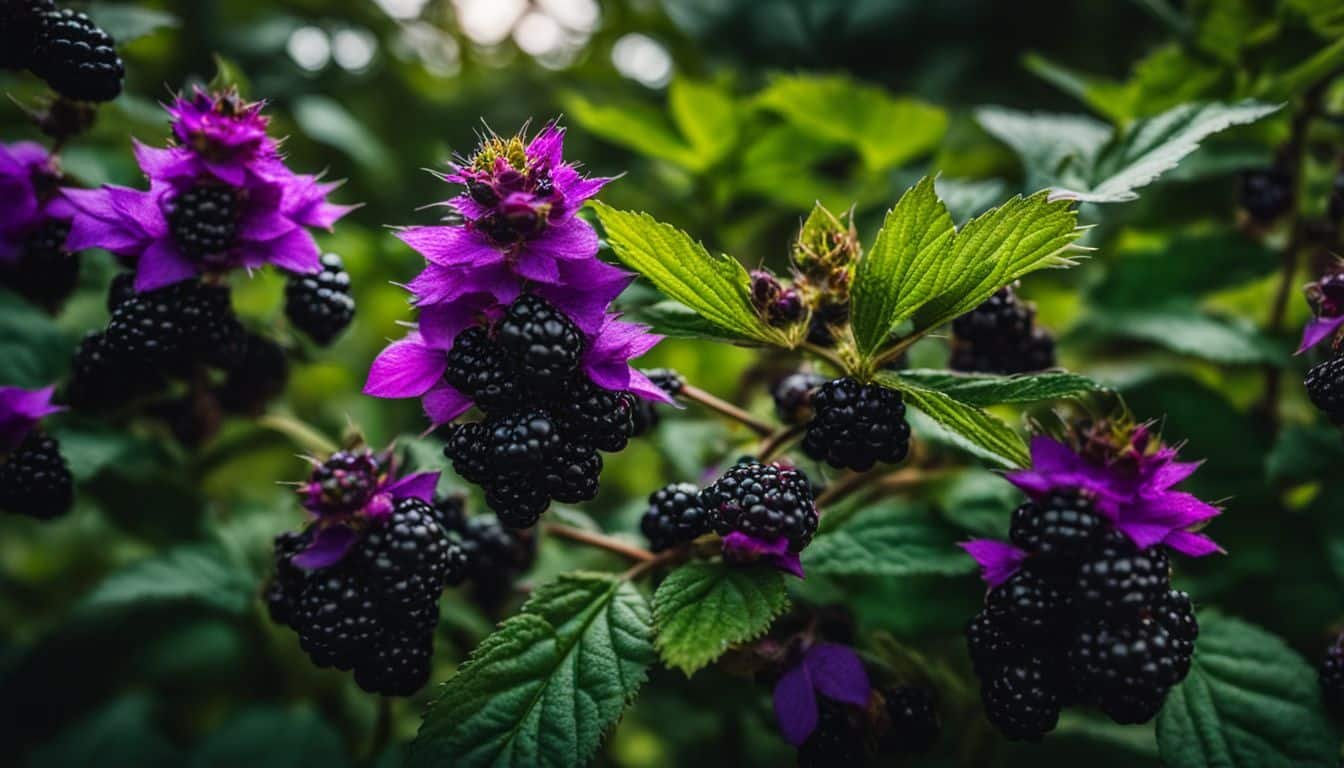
(921,471)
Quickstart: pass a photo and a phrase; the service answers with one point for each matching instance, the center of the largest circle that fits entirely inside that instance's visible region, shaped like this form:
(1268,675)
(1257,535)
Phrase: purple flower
(20,411)
(29,196)
(832,670)
(1326,297)
(225,171)
(998,560)
(739,547)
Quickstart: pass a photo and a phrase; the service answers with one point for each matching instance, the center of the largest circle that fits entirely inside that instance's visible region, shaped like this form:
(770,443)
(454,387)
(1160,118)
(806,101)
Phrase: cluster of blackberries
(34,478)
(1265,194)
(545,421)
(320,305)
(181,331)
(764,501)
(1000,336)
(1089,619)
(1325,387)
(376,609)
(45,273)
(856,425)
(906,722)
(495,555)
(74,55)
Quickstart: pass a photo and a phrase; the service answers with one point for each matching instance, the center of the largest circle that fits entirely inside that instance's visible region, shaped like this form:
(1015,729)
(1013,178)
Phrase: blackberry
(856,425)
(998,318)
(1127,667)
(913,720)
(320,305)
(259,377)
(1332,677)
(408,557)
(544,343)
(1063,525)
(399,665)
(20,23)
(993,641)
(34,479)
(120,290)
(523,441)
(1035,609)
(1120,580)
(1325,387)
(667,380)
(468,448)
(643,416)
(1177,615)
(572,475)
(674,517)
(204,221)
(147,329)
(596,416)
(493,551)
(45,272)
(479,369)
(517,500)
(998,337)
(793,396)
(76,57)
(764,501)
(345,482)
(285,587)
(101,379)
(1265,194)
(337,617)
(837,740)
(210,329)
(1021,699)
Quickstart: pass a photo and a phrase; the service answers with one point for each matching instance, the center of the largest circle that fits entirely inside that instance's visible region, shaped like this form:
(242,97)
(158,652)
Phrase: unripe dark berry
(1265,194)
(793,396)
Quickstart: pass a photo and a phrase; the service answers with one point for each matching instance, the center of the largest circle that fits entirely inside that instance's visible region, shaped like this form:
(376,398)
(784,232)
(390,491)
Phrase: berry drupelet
(76,57)
(1325,387)
(20,24)
(320,305)
(857,425)
(764,501)
(674,517)
(35,480)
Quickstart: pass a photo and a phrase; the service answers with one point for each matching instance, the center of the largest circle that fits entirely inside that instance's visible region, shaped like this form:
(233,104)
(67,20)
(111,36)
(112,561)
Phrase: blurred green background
(131,633)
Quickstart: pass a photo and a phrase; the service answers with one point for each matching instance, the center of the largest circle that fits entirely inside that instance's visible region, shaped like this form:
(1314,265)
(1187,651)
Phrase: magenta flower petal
(538,270)
(1192,544)
(644,388)
(571,240)
(795,705)
(739,547)
(418,486)
(328,547)
(407,368)
(20,411)
(443,403)
(1318,329)
(296,251)
(837,673)
(998,560)
(441,323)
(162,264)
(450,246)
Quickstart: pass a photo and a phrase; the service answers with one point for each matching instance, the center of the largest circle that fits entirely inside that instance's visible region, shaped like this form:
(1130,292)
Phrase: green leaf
(672,318)
(716,288)
(325,120)
(901,272)
(122,734)
(547,685)
(702,608)
(985,390)
(1249,702)
(885,131)
(1159,268)
(1187,331)
(1151,147)
(35,351)
(707,116)
(978,501)
(1055,150)
(126,22)
(202,574)
(270,737)
(635,126)
(893,538)
(976,428)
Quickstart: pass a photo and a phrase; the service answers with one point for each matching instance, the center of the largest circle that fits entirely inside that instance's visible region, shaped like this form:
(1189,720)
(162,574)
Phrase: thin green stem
(301,433)
(778,442)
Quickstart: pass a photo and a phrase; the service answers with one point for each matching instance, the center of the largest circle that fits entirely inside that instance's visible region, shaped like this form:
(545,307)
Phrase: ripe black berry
(1265,194)
(284,589)
(837,740)
(1325,387)
(45,272)
(495,553)
(595,416)
(674,517)
(1120,579)
(1021,699)
(1332,677)
(76,57)
(793,396)
(1063,525)
(993,641)
(34,479)
(572,475)
(1177,615)
(1126,667)
(120,290)
(320,305)
(1036,610)
(523,441)
(101,379)
(857,425)
(914,720)
(408,557)
(468,448)
(518,500)
(258,378)
(479,369)
(544,343)
(20,23)
(764,501)
(399,664)
(337,617)
(176,326)
(204,221)
(998,337)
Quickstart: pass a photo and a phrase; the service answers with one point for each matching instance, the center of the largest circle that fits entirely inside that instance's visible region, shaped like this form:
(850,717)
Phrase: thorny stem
(600,541)
(776,443)
(726,408)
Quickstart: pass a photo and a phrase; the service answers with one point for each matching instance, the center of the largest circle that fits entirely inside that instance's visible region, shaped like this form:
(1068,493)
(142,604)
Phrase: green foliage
(973,428)
(548,684)
(269,737)
(1249,700)
(702,609)
(121,735)
(1187,331)
(985,390)
(200,574)
(891,538)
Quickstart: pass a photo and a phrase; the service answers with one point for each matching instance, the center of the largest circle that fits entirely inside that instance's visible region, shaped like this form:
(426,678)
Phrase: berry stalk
(600,541)
(725,408)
